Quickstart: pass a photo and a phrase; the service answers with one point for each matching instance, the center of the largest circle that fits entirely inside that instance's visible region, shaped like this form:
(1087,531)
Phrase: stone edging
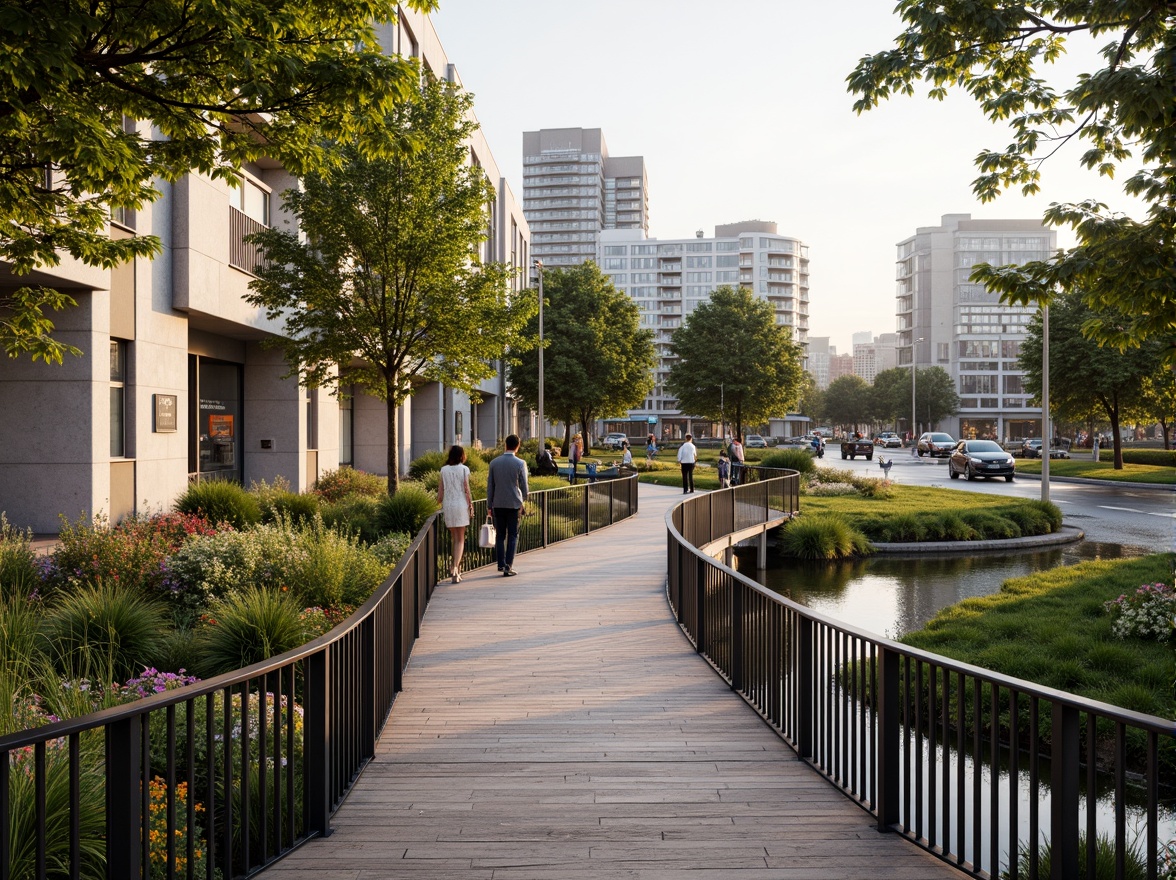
(1064,535)
(1094,481)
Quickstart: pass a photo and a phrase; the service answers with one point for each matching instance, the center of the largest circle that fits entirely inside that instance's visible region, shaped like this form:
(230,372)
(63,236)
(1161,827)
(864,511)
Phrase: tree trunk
(1116,437)
(567,443)
(738,420)
(393,461)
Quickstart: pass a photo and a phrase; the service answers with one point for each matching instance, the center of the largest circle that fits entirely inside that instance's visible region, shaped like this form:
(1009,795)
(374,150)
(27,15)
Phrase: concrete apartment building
(873,355)
(173,384)
(819,352)
(946,320)
(573,189)
(668,278)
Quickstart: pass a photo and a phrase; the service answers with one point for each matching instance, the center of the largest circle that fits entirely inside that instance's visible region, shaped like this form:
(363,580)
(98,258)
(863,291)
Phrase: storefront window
(217,419)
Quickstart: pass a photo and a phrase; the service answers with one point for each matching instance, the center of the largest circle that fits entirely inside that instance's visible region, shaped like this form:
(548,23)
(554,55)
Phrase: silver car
(935,443)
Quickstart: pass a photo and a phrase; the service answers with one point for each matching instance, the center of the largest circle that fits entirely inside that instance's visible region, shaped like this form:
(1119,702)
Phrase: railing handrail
(1150,722)
(349,678)
(919,740)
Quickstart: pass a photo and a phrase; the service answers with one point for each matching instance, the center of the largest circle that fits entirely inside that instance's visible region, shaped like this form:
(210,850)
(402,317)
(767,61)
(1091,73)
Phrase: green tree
(935,395)
(849,402)
(1081,371)
(1124,268)
(1157,401)
(382,287)
(892,395)
(733,358)
(220,83)
(812,400)
(597,362)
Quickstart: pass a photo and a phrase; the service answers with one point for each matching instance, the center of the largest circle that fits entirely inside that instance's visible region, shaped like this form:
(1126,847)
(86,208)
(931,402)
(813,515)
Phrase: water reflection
(895,595)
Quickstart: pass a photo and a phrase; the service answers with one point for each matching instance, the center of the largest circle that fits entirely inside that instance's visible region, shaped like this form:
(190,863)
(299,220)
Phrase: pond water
(894,595)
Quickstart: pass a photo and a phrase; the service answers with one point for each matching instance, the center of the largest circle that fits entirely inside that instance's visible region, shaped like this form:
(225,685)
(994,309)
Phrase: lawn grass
(1052,628)
(1101,470)
(922,512)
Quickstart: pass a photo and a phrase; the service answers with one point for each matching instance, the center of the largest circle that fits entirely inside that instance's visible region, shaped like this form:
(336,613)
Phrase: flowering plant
(319,621)
(1148,613)
(131,553)
(157,833)
(152,681)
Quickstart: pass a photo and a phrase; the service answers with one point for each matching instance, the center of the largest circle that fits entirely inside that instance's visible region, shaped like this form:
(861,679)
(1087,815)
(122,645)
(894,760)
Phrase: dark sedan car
(980,458)
(935,443)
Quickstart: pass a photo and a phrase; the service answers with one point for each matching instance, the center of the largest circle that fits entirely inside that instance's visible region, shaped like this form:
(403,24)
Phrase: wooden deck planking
(558,724)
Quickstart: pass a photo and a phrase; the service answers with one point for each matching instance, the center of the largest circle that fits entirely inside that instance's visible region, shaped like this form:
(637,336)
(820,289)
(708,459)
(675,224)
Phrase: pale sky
(741,111)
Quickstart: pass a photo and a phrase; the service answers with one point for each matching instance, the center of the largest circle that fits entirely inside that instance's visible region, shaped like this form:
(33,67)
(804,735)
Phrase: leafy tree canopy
(214,84)
(734,359)
(995,51)
(849,402)
(892,394)
(1082,373)
(597,361)
(381,284)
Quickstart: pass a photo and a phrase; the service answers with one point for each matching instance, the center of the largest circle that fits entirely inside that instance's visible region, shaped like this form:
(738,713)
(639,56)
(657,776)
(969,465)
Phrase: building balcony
(242,255)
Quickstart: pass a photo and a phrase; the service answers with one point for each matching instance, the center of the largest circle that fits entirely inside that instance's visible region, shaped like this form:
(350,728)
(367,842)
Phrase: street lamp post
(542,429)
(914,412)
(1046,429)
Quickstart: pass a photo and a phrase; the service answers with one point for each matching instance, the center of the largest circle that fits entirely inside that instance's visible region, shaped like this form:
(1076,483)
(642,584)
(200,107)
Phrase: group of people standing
(729,467)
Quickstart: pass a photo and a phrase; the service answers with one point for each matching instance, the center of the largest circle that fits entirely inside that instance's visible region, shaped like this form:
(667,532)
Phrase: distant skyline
(741,112)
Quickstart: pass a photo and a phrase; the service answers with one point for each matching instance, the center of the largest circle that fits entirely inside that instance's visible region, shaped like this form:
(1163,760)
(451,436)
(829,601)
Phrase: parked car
(755,441)
(935,443)
(614,440)
(1031,448)
(980,458)
(888,440)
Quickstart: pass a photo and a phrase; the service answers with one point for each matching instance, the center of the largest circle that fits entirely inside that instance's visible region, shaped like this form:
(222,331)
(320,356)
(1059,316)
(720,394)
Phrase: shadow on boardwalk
(559,725)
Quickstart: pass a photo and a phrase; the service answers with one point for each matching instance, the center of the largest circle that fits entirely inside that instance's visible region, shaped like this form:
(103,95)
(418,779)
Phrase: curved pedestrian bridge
(559,725)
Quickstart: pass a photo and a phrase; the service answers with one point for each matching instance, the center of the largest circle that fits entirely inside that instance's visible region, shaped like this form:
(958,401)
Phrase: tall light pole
(914,413)
(542,429)
(1046,430)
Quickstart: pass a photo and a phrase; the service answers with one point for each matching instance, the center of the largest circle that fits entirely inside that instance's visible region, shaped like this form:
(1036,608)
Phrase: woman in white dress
(457,505)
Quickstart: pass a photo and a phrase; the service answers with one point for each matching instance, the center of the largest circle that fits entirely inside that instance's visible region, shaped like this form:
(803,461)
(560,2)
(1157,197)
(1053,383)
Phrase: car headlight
(1011,460)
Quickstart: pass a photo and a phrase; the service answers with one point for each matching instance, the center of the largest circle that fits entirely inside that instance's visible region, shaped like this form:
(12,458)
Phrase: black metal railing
(220,778)
(993,774)
(242,254)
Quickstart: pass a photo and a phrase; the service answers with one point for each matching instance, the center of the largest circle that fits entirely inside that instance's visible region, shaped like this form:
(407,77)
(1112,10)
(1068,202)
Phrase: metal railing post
(317,731)
(805,690)
(543,520)
(1064,756)
(124,798)
(699,604)
(736,637)
(888,740)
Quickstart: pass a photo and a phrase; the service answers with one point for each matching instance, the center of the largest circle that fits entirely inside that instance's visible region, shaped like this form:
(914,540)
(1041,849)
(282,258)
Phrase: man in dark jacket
(506,493)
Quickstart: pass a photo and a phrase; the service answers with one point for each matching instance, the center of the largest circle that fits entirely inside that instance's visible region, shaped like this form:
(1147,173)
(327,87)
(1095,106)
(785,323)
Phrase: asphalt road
(1119,514)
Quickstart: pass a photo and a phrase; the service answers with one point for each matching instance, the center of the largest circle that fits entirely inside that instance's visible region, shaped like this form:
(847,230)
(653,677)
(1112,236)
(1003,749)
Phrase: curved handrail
(907,733)
(255,761)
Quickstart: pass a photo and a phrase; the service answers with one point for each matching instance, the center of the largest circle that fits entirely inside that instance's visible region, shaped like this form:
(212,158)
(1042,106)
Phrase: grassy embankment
(1101,470)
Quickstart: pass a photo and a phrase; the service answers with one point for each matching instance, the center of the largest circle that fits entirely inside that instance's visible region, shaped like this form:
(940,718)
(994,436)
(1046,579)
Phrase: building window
(216,391)
(118,399)
(252,199)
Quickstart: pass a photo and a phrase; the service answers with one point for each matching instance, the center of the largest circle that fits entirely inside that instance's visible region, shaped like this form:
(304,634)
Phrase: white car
(614,440)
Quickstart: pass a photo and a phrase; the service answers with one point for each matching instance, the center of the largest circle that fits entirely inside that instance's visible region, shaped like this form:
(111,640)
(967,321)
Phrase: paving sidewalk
(559,725)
